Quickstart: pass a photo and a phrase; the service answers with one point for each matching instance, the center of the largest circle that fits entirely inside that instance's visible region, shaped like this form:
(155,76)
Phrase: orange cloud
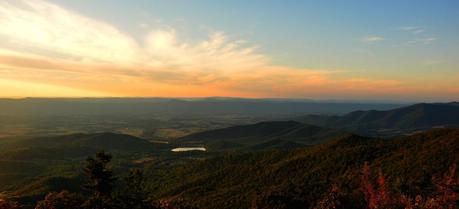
(47,50)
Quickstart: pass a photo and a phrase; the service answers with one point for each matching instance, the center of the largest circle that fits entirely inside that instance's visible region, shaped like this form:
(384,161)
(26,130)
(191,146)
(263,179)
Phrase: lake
(186,149)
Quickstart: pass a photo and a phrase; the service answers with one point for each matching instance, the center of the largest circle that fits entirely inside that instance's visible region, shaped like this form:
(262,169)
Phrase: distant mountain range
(179,106)
(263,135)
(311,130)
(404,120)
(314,129)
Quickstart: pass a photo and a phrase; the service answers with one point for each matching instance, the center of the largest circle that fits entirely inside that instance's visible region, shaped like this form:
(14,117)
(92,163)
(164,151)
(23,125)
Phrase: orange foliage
(6,204)
(376,196)
(380,198)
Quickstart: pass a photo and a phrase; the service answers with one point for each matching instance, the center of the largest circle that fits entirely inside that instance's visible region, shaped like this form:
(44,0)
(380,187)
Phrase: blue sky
(301,33)
(412,46)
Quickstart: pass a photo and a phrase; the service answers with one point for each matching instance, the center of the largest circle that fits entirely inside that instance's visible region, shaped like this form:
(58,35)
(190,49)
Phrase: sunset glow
(49,49)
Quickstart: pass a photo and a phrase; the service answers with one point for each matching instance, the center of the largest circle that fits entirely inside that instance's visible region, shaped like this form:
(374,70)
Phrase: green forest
(351,171)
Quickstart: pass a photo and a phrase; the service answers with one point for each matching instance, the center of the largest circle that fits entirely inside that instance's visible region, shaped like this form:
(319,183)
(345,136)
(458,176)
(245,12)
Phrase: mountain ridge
(263,132)
(403,120)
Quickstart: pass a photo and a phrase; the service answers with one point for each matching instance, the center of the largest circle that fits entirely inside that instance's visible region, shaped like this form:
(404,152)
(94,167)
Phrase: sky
(330,49)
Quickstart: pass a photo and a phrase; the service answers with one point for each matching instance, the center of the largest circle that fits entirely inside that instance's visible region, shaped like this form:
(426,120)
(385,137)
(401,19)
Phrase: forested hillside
(349,172)
(263,135)
(305,175)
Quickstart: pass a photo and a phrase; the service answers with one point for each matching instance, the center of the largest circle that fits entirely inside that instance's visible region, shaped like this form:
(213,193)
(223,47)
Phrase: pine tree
(100,181)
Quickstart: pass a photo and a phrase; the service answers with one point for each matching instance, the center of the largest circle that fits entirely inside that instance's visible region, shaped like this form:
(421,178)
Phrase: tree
(100,181)
(274,199)
(134,194)
(60,200)
(7,204)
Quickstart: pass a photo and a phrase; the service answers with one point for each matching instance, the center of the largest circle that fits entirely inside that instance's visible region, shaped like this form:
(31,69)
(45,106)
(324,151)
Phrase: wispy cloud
(427,40)
(413,29)
(418,36)
(49,29)
(372,39)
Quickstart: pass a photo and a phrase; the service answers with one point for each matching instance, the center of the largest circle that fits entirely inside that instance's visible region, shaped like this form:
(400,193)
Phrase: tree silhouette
(100,181)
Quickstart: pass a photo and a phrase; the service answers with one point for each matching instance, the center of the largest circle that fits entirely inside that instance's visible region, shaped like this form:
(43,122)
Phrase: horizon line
(299,99)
